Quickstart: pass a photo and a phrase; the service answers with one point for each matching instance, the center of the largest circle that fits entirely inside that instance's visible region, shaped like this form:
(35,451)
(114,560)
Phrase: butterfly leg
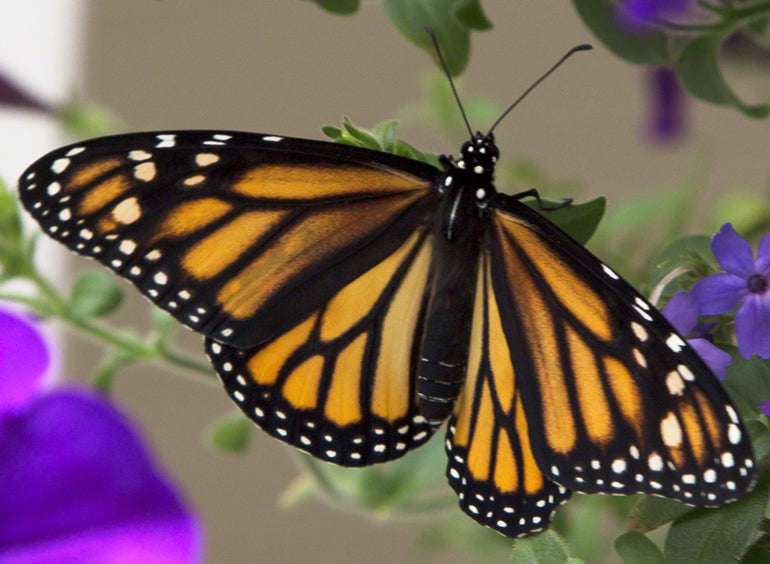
(533,193)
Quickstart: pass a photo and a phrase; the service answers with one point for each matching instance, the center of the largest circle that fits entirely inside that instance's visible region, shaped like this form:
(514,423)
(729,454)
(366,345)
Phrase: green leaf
(401,484)
(718,535)
(412,16)
(104,377)
(699,71)
(386,133)
(230,433)
(94,294)
(339,7)
(84,119)
(759,553)
(749,377)
(10,221)
(687,252)
(640,46)
(332,132)
(381,138)
(469,12)
(578,220)
(544,548)
(164,324)
(635,548)
(652,512)
(365,138)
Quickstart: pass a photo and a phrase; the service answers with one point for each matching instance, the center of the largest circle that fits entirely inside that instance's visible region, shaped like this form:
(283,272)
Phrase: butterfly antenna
(567,55)
(432,34)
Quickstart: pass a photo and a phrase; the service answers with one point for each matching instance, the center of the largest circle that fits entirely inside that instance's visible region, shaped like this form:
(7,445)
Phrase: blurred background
(288,68)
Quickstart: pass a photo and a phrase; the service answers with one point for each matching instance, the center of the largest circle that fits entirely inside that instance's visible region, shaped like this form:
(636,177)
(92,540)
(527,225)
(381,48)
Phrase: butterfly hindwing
(616,400)
(491,464)
(341,384)
(237,235)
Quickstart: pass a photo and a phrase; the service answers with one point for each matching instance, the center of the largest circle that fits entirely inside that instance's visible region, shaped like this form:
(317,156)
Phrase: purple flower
(668,104)
(637,14)
(76,484)
(14,96)
(745,283)
(765,406)
(24,360)
(682,312)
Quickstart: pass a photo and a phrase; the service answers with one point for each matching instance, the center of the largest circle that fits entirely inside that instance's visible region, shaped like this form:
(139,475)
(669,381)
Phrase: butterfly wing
(491,462)
(615,400)
(341,383)
(239,236)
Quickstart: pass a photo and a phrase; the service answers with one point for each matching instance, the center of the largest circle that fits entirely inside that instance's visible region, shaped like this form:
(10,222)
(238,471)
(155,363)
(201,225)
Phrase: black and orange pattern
(354,300)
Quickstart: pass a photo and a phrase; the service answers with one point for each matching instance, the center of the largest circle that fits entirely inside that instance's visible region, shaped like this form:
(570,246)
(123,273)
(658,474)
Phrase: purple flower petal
(763,256)
(668,103)
(14,96)
(733,252)
(752,326)
(682,312)
(712,355)
(765,406)
(718,293)
(77,486)
(24,360)
(642,13)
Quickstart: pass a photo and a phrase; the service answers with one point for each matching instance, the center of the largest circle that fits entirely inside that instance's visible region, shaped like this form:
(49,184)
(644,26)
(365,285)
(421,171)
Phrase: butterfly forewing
(239,236)
(616,400)
(341,384)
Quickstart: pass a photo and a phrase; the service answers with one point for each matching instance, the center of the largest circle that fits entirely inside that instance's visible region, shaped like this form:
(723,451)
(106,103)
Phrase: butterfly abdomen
(446,335)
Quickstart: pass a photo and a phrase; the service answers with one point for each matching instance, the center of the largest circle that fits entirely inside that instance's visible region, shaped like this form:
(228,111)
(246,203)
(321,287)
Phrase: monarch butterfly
(353,300)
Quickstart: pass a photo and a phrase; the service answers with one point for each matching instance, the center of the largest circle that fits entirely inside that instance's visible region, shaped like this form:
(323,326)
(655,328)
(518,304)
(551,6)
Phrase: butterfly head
(479,156)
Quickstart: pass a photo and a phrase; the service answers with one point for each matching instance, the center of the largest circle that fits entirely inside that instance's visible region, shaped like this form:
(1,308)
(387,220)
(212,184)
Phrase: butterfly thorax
(467,184)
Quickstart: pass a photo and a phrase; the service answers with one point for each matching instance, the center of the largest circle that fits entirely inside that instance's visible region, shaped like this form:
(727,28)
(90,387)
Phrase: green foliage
(718,535)
(691,48)
(94,294)
(635,548)
(543,548)
(452,20)
(381,138)
(578,220)
(339,7)
(230,433)
(701,74)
